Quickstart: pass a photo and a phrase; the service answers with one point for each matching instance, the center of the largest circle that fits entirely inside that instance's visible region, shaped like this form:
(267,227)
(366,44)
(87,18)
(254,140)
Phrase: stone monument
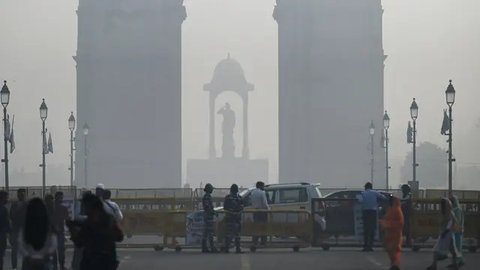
(225,169)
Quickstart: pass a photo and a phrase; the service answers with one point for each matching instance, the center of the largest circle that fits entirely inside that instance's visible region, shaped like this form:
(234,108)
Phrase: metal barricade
(339,223)
(285,229)
(425,222)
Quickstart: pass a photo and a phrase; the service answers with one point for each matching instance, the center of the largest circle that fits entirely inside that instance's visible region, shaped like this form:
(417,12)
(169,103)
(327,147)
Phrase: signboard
(195,227)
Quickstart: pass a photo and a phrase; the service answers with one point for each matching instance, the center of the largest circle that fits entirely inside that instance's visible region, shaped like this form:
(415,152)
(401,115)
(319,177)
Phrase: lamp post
(372,132)
(386,125)
(71,127)
(450,99)
(414,115)
(5,99)
(85,167)
(43,117)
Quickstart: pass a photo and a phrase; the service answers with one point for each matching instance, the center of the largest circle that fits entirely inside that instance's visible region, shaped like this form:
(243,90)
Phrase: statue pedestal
(223,172)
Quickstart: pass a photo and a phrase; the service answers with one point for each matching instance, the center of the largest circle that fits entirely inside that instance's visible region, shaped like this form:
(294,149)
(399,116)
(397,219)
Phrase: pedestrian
(457,231)
(233,206)
(17,220)
(99,189)
(37,241)
(97,235)
(60,216)
(208,216)
(406,209)
(49,203)
(112,207)
(445,241)
(260,202)
(392,224)
(4,225)
(74,228)
(369,200)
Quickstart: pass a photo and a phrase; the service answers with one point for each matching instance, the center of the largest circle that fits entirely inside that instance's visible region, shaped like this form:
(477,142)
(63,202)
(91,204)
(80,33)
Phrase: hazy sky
(427,43)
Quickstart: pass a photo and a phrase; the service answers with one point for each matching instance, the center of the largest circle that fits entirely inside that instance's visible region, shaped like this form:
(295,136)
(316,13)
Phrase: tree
(432,170)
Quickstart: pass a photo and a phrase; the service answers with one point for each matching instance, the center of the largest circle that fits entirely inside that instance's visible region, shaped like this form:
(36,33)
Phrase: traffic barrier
(285,229)
(339,223)
(425,222)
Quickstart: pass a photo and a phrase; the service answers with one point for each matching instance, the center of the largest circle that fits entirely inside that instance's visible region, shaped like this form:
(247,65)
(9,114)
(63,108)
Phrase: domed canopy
(228,76)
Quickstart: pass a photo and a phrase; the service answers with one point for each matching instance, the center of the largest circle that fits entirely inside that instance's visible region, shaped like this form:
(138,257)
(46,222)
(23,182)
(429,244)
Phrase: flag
(7,128)
(445,123)
(45,147)
(409,133)
(382,141)
(12,137)
(50,145)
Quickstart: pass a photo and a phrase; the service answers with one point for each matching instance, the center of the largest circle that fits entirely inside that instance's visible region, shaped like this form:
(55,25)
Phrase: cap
(100,186)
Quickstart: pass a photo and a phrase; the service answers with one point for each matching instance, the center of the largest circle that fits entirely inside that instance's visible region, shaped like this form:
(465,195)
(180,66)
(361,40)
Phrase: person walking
(369,200)
(4,225)
(97,235)
(406,209)
(233,206)
(74,228)
(112,207)
(392,225)
(17,220)
(260,202)
(457,231)
(60,215)
(208,216)
(445,241)
(37,241)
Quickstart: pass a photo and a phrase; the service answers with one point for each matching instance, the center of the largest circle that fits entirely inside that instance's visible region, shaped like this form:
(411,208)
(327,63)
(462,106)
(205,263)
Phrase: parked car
(294,196)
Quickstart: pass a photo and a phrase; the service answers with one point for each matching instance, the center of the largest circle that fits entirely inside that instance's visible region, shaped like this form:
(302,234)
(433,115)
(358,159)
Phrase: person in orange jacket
(392,225)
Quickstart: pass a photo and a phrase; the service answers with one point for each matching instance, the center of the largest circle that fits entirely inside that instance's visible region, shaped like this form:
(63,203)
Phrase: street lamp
(85,133)
(71,127)
(43,117)
(450,99)
(414,115)
(372,132)
(386,125)
(5,99)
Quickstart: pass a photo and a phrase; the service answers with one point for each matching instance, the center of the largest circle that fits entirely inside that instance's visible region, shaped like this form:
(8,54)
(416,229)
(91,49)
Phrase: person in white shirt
(260,202)
(112,207)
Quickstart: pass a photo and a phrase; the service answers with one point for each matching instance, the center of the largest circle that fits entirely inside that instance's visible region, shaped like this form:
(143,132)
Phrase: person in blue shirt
(369,200)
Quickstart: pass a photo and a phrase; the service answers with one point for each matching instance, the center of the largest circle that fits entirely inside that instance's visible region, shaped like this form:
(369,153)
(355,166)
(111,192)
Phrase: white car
(295,196)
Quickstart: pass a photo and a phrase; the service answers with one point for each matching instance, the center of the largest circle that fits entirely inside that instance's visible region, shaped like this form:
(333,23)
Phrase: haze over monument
(424,50)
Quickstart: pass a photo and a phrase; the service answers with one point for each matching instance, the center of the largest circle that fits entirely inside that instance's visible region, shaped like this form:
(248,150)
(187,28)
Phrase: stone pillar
(211,143)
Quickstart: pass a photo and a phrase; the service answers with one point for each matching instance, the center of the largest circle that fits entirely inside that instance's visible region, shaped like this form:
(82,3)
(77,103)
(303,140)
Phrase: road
(273,259)
(346,259)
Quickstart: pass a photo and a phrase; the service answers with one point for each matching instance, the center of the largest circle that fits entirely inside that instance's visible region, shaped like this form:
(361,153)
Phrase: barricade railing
(339,222)
(184,229)
(426,216)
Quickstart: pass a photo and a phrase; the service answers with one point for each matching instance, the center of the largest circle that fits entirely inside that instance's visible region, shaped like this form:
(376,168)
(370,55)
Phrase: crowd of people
(396,224)
(35,229)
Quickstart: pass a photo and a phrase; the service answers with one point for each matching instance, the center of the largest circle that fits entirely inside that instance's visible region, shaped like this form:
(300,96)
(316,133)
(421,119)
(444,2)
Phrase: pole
(371,159)
(5,159)
(43,160)
(414,163)
(386,159)
(71,158)
(85,162)
(450,156)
